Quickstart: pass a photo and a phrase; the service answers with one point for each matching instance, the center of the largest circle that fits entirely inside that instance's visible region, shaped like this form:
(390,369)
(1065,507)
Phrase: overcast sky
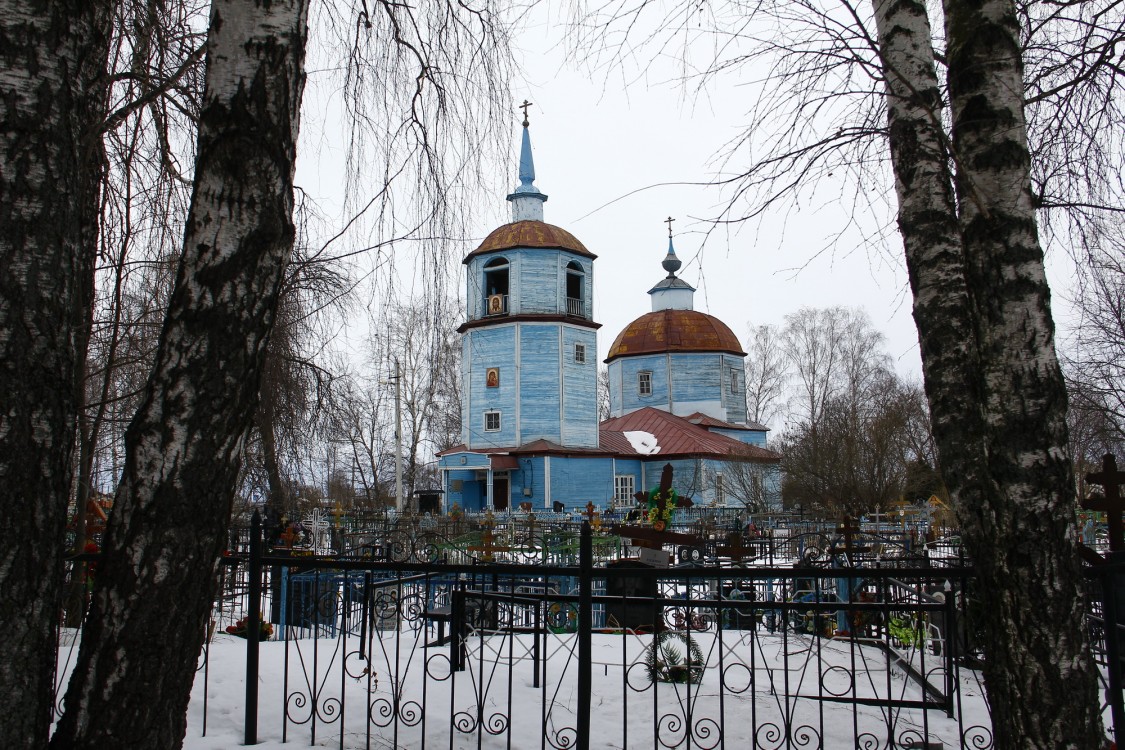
(617,159)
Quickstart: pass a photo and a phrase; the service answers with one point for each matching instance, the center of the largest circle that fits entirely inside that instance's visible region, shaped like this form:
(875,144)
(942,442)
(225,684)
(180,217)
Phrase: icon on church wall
(492,377)
(495,304)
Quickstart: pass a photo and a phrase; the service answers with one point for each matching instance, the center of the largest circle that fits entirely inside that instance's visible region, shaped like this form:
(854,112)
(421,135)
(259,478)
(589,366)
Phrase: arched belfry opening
(575,290)
(496,287)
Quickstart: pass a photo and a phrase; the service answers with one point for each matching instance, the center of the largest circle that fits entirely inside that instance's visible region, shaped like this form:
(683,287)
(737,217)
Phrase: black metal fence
(419,641)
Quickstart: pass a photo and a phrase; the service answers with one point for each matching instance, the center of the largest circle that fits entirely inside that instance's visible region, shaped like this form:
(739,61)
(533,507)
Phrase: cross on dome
(671,263)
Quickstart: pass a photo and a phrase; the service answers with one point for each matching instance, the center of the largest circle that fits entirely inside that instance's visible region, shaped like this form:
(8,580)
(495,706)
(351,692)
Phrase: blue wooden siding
(539,383)
(580,389)
(734,403)
(530,476)
(699,382)
(696,384)
(615,401)
(484,348)
(579,480)
(631,400)
(471,494)
(536,289)
(536,282)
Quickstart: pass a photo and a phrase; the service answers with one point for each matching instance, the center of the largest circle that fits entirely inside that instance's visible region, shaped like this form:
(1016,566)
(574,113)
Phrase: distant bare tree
(830,351)
(603,393)
(766,374)
(856,458)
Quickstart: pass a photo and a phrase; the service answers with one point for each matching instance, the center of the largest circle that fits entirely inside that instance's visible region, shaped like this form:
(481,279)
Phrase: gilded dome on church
(537,234)
(675,331)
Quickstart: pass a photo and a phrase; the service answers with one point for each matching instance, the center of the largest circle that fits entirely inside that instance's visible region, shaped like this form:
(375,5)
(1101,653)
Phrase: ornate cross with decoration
(317,524)
(1111,502)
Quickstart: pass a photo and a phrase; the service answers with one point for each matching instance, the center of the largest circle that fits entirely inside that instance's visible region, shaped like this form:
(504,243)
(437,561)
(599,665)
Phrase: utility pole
(400,505)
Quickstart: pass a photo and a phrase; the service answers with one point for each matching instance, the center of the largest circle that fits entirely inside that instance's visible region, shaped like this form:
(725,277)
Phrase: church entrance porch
(501,492)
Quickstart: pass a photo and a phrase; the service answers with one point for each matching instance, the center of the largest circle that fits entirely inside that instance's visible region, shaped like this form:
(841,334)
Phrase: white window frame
(580,353)
(491,413)
(644,383)
(623,486)
(720,494)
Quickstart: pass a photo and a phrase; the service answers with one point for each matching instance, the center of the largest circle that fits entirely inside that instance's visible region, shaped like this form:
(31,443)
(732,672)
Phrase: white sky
(598,148)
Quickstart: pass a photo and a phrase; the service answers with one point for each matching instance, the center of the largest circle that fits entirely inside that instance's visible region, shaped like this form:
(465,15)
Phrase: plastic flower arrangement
(265,629)
(660,508)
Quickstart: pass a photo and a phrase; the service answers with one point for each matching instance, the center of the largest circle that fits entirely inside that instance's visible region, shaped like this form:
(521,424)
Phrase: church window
(720,495)
(644,383)
(734,381)
(623,487)
(492,421)
(580,353)
(575,283)
(496,287)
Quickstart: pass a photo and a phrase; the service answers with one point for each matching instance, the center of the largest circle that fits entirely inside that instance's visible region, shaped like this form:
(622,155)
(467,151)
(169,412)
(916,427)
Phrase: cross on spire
(669,221)
(524,107)
(1112,503)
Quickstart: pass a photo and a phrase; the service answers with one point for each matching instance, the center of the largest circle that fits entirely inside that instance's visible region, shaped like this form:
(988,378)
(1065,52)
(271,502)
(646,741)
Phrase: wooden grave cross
(849,529)
(1111,503)
(735,550)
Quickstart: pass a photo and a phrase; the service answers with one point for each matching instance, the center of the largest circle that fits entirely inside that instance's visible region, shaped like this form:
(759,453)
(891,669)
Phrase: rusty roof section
(675,331)
(704,420)
(676,436)
(537,234)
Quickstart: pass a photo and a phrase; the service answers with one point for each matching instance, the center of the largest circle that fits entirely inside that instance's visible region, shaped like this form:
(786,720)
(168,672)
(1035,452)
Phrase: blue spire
(527,166)
(527,201)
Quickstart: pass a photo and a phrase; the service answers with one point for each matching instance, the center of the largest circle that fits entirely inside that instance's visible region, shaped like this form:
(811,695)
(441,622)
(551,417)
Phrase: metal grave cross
(1111,503)
(317,525)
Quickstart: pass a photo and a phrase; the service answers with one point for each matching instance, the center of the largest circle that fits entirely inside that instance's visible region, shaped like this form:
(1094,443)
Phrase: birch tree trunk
(52,104)
(996,394)
(154,588)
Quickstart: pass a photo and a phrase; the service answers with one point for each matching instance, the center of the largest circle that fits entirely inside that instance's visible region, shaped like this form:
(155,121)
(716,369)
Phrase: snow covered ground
(740,699)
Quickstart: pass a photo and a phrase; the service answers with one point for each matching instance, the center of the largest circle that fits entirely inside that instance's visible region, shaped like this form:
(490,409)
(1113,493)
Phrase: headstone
(629,614)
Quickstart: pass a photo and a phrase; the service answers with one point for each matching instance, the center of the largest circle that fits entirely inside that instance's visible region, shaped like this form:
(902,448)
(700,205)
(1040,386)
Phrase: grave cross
(849,529)
(1111,503)
(317,526)
(735,550)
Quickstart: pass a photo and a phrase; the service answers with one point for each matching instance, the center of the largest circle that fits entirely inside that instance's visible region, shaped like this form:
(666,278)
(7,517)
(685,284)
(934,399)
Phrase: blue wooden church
(530,430)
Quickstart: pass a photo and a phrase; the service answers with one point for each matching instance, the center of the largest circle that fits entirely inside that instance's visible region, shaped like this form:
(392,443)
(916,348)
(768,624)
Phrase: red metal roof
(676,436)
(704,420)
(675,331)
(530,234)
